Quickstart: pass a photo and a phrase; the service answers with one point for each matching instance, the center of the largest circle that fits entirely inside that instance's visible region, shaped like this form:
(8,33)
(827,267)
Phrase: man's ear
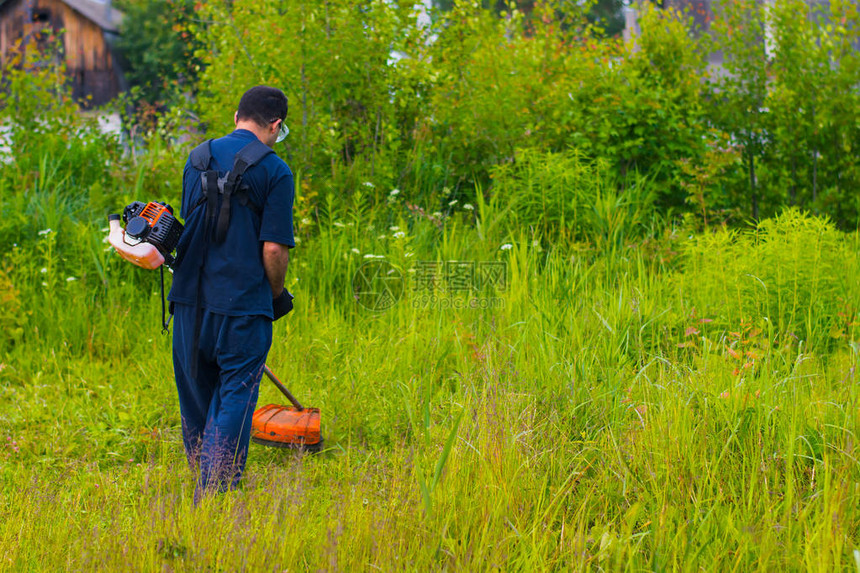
(235,117)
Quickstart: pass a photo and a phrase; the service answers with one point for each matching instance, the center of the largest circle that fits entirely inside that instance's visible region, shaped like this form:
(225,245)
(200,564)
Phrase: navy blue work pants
(218,401)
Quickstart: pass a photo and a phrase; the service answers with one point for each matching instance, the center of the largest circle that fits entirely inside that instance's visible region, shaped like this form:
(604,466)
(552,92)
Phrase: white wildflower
(407,255)
(369,184)
(43,270)
(394,228)
(44,232)
(399,235)
(382,237)
(71,279)
(356,251)
(437,214)
(506,247)
(468,207)
(339,224)
(306,221)
(44,284)
(394,192)
(369,256)
(452,203)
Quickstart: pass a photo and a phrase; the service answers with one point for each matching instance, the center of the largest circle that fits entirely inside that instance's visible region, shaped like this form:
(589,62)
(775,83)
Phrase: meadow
(670,401)
(552,320)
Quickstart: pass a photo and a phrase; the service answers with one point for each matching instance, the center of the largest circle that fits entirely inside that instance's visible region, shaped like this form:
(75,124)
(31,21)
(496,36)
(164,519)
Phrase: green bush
(565,196)
(61,166)
(791,274)
(791,102)
(158,51)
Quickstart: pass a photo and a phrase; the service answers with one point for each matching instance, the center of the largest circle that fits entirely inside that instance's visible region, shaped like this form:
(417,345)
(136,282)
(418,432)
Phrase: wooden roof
(101,13)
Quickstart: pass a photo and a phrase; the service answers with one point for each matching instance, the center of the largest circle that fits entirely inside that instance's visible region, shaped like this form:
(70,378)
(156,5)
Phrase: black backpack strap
(253,153)
(201,156)
(242,197)
(209,187)
(247,157)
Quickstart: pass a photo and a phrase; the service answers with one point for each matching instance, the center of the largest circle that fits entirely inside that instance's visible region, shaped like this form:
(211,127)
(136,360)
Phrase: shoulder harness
(214,184)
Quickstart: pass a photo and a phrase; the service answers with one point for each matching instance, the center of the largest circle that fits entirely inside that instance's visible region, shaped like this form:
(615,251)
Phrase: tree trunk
(793,192)
(752,186)
(814,156)
(814,174)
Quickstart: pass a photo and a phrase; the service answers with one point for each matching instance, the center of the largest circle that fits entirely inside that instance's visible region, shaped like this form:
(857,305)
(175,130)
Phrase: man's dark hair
(262,105)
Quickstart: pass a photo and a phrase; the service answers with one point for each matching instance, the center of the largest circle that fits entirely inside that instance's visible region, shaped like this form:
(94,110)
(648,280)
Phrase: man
(228,284)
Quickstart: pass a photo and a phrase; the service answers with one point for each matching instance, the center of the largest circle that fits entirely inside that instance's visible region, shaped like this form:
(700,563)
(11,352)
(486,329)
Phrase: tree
(739,95)
(158,51)
(605,14)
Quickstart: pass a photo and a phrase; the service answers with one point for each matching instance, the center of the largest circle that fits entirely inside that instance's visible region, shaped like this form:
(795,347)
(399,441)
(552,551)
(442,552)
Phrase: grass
(675,403)
(655,469)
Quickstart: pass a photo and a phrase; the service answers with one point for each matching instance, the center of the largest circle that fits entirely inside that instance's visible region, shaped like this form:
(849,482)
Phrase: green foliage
(331,61)
(608,15)
(158,51)
(555,84)
(739,96)
(59,164)
(793,112)
(661,119)
(790,272)
(564,195)
(817,89)
(452,109)
(35,102)
(610,408)
(706,181)
(435,109)
(13,318)
(584,421)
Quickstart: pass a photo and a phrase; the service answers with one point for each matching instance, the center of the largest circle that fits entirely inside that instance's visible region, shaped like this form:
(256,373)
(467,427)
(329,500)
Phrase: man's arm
(276,257)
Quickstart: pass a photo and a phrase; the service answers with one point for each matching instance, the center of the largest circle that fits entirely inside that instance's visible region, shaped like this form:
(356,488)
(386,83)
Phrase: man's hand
(276,258)
(282,304)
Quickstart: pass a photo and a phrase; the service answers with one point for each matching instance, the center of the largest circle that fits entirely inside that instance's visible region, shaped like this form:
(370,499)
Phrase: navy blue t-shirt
(233,280)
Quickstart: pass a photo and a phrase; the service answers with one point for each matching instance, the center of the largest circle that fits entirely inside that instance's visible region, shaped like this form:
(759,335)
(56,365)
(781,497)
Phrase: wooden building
(90,28)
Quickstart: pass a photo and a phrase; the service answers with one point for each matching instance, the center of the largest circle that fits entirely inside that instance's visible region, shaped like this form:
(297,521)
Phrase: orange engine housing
(153,212)
(287,427)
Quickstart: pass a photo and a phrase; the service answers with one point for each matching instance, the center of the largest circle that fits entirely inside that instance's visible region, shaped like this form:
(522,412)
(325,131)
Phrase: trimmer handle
(282,388)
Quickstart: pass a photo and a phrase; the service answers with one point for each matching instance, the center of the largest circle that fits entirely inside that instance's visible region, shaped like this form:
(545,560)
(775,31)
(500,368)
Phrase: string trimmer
(287,427)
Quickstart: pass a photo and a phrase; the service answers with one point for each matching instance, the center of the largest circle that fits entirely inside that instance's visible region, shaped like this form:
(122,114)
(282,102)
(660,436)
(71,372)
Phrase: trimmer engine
(154,223)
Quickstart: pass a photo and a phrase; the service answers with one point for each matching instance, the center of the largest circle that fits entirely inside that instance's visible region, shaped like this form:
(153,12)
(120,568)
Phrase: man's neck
(252,126)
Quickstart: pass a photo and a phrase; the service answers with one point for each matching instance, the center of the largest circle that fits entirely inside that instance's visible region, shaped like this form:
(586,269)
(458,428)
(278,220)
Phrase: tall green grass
(652,399)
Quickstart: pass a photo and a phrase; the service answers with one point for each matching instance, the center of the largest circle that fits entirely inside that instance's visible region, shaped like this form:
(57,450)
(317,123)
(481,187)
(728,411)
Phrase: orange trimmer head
(287,427)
